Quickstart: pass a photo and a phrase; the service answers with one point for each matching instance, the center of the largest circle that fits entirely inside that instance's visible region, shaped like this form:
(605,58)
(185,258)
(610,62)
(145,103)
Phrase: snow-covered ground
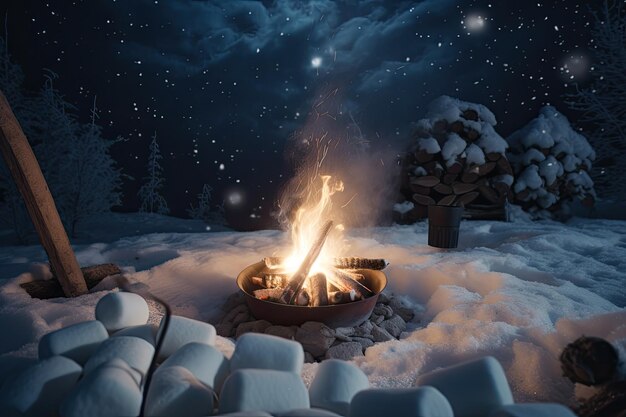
(519,291)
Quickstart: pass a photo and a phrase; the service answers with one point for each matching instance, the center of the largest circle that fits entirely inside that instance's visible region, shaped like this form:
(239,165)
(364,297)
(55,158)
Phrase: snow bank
(517,291)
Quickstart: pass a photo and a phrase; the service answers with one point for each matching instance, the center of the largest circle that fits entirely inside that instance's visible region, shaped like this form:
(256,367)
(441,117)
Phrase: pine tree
(92,178)
(203,210)
(602,103)
(149,194)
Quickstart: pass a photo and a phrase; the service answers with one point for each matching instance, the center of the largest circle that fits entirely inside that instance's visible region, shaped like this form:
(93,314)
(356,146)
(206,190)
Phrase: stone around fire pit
(387,322)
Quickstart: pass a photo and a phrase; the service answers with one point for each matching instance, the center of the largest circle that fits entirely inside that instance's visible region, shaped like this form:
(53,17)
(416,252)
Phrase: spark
(316,62)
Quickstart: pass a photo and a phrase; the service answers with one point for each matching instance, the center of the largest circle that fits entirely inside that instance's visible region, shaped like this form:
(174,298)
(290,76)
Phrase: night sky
(227,85)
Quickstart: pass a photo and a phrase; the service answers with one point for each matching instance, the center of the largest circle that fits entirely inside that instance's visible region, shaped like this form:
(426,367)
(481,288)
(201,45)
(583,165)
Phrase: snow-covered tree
(203,210)
(150,196)
(550,160)
(601,103)
(92,178)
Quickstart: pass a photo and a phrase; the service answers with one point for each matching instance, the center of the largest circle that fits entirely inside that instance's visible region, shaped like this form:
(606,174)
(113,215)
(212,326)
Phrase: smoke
(332,143)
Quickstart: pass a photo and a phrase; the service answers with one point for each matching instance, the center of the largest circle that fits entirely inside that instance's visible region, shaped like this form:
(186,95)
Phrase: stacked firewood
(342,284)
(551,161)
(457,159)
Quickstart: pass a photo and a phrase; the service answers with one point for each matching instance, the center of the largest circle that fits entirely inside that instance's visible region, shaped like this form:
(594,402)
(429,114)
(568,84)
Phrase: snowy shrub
(150,196)
(551,163)
(457,158)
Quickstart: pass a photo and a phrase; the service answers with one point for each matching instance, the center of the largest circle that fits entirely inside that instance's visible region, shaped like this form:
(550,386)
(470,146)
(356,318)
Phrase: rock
(224,329)
(39,389)
(473,388)
(236,311)
(263,390)
(183,330)
(146,332)
(400,309)
(263,351)
(118,310)
(76,342)
(174,391)
(257,326)
(383,298)
(533,410)
(136,352)
(315,337)
(405,402)
(345,351)
(308,358)
(365,342)
(345,331)
(308,412)
(233,300)
(380,334)
(108,391)
(282,331)
(341,338)
(395,325)
(364,329)
(376,319)
(383,310)
(205,362)
(334,385)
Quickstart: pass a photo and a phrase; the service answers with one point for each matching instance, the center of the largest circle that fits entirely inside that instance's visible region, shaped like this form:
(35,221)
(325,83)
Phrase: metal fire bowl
(337,315)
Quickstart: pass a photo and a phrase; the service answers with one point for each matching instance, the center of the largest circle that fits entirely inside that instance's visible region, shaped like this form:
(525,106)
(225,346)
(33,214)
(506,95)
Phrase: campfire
(312,276)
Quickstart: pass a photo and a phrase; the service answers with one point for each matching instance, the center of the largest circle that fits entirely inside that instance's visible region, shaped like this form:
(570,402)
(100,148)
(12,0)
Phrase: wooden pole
(26,172)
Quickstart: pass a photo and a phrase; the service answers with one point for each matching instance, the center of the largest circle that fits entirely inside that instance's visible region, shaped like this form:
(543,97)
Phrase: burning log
(273,262)
(346,282)
(360,263)
(295,283)
(342,297)
(317,287)
(271,280)
(272,294)
(303,298)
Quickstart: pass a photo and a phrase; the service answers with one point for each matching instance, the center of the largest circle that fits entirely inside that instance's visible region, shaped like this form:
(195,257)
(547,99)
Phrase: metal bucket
(336,315)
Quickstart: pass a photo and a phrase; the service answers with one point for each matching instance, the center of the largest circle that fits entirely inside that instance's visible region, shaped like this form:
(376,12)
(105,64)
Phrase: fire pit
(333,315)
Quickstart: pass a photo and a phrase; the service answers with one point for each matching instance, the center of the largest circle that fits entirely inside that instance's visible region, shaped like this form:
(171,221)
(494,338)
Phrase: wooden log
(359,263)
(466,199)
(271,280)
(303,298)
(486,168)
(505,166)
(443,189)
(274,262)
(342,297)
(440,126)
(317,290)
(344,280)
(272,294)
(426,181)
(449,178)
(469,177)
(423,200)
(24,168)
(420,189)
(447,200)
(422,156)
(462,188)
(489,193)
(493,156)
(457,126)
(472,135)
(470,114)
(51,288)
(297,280)
(455,168)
